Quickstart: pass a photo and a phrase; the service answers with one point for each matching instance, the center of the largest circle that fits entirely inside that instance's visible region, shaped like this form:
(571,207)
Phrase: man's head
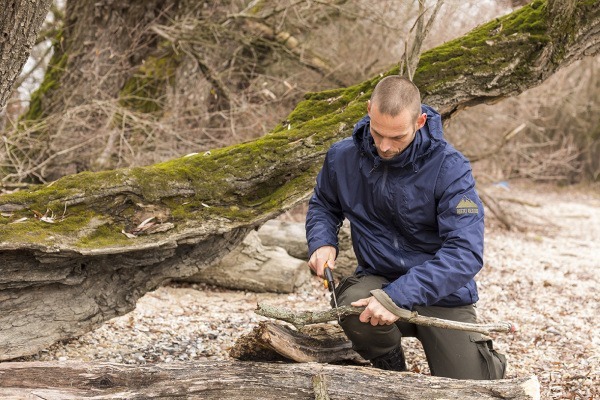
(395,112)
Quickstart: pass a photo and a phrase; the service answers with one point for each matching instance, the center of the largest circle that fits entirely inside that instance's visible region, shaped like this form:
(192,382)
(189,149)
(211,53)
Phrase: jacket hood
(426,139)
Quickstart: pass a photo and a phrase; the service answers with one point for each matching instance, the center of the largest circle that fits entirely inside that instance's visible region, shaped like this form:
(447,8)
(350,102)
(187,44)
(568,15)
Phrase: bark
(412,317)
(20,22)
(243,380)
(508,55)
(70,265)
(322,343)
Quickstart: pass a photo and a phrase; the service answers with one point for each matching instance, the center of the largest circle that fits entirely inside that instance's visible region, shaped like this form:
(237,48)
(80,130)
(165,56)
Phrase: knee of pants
(354,288)
(370,341)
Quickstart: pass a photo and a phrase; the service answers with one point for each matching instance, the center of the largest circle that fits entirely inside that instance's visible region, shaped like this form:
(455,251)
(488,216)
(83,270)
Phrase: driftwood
(308,317)
(257,268)
(236,380)
(322,343)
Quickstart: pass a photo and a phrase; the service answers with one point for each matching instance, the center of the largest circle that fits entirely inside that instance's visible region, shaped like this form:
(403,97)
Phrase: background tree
(20,23)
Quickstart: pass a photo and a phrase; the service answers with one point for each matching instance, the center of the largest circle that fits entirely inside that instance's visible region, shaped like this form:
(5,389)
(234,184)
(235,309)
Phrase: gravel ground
(544,278)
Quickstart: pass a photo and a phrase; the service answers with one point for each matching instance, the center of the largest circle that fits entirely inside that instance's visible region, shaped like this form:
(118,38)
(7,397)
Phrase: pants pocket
(496,362)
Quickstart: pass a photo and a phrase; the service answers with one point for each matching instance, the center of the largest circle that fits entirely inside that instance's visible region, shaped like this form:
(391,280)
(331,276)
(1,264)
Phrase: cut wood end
(531,388)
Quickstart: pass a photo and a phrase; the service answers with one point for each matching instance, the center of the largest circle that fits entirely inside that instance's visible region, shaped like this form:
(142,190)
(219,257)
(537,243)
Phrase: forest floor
(543,276)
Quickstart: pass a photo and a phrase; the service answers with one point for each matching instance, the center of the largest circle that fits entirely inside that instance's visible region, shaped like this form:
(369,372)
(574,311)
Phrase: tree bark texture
(73,253)
(322,343)
(20,22)
(299,320)
(236,380)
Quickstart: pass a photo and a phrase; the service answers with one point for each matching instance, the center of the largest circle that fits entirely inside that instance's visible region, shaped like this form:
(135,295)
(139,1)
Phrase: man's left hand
(375,313)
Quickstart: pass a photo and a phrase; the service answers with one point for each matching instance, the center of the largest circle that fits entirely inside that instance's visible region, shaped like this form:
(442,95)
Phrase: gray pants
(450,353)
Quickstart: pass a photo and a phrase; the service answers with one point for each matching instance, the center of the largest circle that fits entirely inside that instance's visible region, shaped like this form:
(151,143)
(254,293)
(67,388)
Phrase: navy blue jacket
(415,219)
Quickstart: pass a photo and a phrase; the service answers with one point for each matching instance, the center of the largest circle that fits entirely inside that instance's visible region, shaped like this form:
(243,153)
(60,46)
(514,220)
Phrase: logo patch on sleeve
(466,206)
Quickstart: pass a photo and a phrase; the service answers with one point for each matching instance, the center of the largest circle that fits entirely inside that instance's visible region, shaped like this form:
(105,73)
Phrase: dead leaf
(129,235)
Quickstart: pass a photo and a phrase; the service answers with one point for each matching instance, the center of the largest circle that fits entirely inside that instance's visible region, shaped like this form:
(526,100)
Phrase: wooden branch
(270,341)
(308,317)
(496,209)
(320,387)
(235,380)
(505,139)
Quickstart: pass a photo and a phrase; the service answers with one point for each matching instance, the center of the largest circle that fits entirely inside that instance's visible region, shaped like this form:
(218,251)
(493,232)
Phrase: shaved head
(394,94)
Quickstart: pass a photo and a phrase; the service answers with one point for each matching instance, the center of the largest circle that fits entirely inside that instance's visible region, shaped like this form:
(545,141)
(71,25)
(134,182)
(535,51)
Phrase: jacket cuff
(314,246)
(389,304)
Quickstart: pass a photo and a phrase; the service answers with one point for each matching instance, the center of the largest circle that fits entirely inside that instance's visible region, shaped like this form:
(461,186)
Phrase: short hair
(395,93)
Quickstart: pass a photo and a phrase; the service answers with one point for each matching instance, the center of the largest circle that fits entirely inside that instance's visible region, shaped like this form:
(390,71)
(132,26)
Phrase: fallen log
(322,343)
(309,317)
(236,380)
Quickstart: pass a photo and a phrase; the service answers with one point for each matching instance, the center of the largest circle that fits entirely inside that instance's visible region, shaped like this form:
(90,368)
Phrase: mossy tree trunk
(86,251)
(102,45)
(20,22)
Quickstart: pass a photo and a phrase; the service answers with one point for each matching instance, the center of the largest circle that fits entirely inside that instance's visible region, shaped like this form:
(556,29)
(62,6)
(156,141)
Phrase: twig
(496,209)
(320,387)
(308,317)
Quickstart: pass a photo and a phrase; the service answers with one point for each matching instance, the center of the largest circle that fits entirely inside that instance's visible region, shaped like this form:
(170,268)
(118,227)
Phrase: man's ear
(368,106)
(421,121)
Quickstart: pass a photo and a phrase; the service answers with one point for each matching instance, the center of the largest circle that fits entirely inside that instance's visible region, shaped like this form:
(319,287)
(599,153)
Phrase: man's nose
(385,145)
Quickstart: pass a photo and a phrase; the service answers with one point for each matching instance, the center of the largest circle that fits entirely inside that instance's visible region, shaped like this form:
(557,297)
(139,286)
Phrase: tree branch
(308,317)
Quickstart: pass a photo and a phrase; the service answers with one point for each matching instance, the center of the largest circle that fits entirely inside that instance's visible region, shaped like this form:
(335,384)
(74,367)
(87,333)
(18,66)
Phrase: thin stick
(308,317)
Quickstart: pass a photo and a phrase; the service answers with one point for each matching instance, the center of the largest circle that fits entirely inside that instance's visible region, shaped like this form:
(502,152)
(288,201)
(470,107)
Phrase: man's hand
(375,313)
(319,257)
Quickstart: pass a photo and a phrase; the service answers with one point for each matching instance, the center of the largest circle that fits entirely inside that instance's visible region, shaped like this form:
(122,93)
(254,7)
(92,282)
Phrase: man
(417,231)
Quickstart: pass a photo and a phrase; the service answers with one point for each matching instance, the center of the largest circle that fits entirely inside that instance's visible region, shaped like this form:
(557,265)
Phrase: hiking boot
(392,361)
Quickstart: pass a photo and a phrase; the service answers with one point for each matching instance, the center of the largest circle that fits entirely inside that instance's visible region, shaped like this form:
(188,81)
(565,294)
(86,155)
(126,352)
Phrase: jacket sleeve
(461,228)
(324,216)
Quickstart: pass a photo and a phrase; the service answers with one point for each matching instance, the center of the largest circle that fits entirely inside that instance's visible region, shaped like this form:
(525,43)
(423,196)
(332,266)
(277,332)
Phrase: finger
(331,262)
(365,317)
(374,321)
(360,303)
(311,265)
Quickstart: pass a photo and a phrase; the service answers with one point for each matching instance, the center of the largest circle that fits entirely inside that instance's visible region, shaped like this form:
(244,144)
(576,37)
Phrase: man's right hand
(319,257)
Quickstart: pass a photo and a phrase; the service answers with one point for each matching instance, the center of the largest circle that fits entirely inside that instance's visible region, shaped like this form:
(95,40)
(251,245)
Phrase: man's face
(393,134)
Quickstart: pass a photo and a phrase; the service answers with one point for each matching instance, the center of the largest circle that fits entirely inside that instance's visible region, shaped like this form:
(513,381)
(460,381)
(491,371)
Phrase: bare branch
(308,317)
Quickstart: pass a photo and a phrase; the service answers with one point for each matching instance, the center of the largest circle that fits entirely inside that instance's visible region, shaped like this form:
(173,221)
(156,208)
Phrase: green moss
(108,235)
(521,34)
(54,72)
(335,101)
(145,90)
